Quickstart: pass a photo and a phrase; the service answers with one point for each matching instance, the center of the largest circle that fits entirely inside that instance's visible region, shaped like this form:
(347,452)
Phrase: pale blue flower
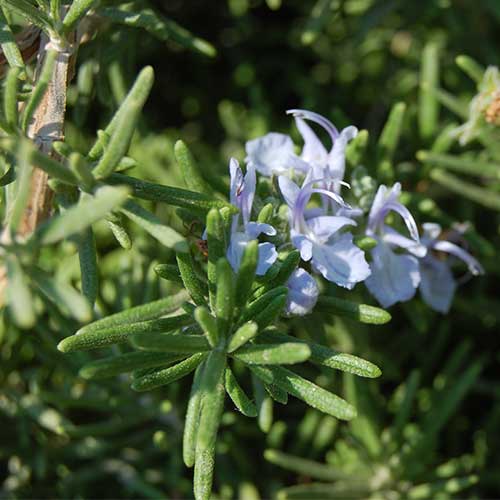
(394,276)
(437,285)
(328,165)
(302,293)
(273,154)
(319,238)
(242,192)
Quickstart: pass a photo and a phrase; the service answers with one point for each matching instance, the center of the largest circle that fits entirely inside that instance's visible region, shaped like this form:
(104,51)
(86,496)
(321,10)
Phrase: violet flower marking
(437,285)
(318,238)
(395,276)
(242,192)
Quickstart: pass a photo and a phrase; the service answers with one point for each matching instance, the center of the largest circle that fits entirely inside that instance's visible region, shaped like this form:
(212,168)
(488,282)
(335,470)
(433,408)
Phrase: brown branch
(46,127)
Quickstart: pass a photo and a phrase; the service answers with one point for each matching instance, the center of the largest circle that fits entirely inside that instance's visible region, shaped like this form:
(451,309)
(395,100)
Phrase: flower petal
(270,154)
(289,190)
(437,285)
(236,182)
(317,118)
(393,238)
(341,262)
(406,215)
(247,193)
(267,257)
(431,230)
(254,229)
(474,266)
(235,250)
(302,293)
(394,277)
(303,244)
(336,158)
(313,151)
(325,226)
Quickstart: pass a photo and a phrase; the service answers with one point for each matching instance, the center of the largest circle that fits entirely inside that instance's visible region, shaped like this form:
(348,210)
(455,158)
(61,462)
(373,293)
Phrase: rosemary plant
(219,295)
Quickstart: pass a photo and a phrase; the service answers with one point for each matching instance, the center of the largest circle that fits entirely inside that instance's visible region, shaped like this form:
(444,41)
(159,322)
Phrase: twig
(46,127)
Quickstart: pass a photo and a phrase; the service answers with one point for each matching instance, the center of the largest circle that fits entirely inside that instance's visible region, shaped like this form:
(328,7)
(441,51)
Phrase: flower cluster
(484,107)
(321,224)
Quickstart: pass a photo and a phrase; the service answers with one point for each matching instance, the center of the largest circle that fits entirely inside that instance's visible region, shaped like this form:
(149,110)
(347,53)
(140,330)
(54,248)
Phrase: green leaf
(238,396)
(472,68)
(23,186)
(356,149)
(120,333)
(301,388)
(359,312)
(365,242)
(197,202)
(82,171)
(271,312)
(277,394)
(287,267)
(449,398)
(465,165)
(116,224)
(9,45)
(19,295)
(80,216)
(159,26)
(76,11)
(304,467)
(277,354)
(29,12)
(39,89)
(449,101)
(52,167)
(138,94)
(172,342)
(244,333)
(208,324)
(192,420)
(442,489)
(152,225)
(168,375)
(10,106)
(246,273)
(87,255)
(428,108)
(484,197)
(260,304)
(216,250)
(114,365)
(190,170)
(325,356)
(224,300)
(169,272)
(266,214)
(136,314)
(62,295)
(389,137)
(127,117)
(404,410)
(144,190)
(264,405)
(8,177)
(192,282)
(212,388)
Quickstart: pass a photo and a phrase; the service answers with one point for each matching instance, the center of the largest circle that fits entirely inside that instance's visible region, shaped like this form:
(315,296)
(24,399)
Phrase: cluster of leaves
(71,427)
